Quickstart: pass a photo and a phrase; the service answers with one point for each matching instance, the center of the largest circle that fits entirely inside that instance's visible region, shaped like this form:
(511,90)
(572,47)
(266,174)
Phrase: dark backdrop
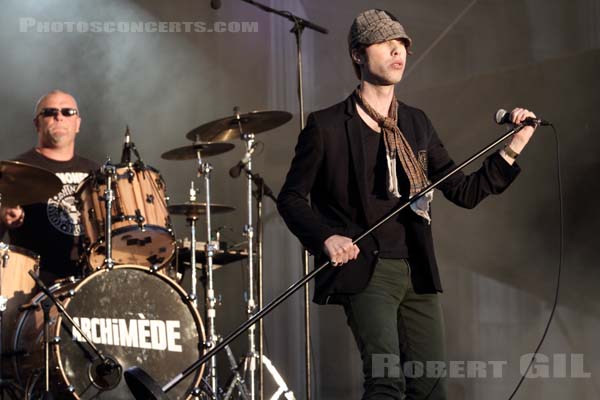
(499,261)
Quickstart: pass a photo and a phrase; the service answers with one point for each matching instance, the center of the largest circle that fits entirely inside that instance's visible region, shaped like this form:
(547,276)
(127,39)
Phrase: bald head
(40,103)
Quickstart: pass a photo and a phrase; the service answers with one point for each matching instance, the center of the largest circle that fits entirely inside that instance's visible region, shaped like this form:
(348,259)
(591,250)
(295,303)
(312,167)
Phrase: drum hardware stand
(204,170)
(250,358)
(46,306)
(192,220)
(299,25)
(104,371)
(108,170)
(3,304)
(249,361)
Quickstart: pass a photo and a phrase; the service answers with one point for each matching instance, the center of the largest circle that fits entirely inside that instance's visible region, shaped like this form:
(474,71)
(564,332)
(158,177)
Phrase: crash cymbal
(190,152)
(227,128)
(196,209)
(22,184)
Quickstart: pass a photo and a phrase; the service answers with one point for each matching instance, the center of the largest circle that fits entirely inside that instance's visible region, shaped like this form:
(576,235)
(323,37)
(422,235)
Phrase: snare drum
(141,227)
(134,316)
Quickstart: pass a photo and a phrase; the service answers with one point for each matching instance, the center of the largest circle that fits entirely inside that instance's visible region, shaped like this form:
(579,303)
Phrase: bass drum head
(137,318)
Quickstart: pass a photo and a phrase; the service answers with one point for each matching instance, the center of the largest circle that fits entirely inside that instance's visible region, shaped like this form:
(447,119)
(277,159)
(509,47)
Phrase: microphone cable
(560,263)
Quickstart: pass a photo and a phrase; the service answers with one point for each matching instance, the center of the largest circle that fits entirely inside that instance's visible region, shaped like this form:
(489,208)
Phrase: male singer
(358,160)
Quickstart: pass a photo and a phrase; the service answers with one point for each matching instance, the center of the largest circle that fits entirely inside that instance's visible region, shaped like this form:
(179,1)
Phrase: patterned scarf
(396,147)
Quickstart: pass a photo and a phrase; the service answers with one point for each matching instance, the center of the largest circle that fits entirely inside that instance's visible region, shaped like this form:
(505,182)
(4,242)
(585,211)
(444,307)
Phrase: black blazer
(329,165)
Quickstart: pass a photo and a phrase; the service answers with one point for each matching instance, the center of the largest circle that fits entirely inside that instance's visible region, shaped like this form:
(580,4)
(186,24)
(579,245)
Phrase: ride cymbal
(227,128)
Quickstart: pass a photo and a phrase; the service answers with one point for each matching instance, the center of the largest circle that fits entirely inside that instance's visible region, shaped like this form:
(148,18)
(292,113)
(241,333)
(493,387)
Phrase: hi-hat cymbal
(196,209)
(191,152)
(22,184)
(227,128)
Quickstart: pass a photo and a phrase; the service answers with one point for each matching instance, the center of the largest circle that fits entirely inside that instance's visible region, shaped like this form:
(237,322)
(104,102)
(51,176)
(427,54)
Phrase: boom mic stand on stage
(297,30)
(143,387)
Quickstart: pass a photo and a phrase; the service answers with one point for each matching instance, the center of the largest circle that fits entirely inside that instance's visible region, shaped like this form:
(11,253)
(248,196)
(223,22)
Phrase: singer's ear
(357,56)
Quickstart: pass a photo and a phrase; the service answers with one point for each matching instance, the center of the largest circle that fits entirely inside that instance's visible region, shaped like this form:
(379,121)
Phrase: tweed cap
(375,26)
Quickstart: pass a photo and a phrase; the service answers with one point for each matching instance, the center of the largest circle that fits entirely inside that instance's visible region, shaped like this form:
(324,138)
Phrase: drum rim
(93,173)
(22,251)
(175,285)
(35,300)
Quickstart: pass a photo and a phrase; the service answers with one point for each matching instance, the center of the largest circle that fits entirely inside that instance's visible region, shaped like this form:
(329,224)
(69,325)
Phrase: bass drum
(134,316)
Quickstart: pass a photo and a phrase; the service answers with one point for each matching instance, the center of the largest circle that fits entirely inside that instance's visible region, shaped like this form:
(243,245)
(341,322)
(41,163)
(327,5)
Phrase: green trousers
(400,335)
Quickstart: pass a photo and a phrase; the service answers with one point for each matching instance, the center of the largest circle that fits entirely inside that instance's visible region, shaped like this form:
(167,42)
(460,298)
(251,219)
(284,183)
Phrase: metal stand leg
(46,306)
(236,379)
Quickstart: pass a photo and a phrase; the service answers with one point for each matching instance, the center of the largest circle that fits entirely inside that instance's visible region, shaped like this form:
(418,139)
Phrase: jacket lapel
(357,152)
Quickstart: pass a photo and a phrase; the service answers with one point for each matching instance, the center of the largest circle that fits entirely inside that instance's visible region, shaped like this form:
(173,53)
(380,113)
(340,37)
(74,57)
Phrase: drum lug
(55,340)
(191,297)
(196,392)
(140,219)
(154,268)
(71,389)
(70,293)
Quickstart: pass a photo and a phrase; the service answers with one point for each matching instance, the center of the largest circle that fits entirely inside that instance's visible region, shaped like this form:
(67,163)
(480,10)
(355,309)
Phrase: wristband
(510,152)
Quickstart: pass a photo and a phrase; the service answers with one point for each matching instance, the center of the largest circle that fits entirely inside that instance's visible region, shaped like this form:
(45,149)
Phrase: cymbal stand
(204,170)
(251,357)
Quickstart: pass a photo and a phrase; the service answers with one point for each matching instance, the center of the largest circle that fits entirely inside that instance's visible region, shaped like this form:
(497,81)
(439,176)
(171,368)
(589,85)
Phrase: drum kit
(75,338)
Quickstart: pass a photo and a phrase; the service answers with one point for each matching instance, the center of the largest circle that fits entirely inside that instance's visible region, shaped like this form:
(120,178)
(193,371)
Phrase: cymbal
(196,209)
(220,257)
(190,152)
(225,129)
(22,184)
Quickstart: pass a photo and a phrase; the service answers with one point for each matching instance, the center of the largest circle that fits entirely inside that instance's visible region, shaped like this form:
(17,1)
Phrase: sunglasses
(53,112)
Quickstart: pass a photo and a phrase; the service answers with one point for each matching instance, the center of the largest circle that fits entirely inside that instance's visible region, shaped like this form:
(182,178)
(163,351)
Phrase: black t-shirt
(391,235)
(53,229)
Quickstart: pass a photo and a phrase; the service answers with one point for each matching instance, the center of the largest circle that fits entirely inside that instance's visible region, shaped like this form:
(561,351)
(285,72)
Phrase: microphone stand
(106,366)
(297,30)
(144,387)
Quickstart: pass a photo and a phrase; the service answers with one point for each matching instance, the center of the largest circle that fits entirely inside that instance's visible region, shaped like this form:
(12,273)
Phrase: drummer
(52,229)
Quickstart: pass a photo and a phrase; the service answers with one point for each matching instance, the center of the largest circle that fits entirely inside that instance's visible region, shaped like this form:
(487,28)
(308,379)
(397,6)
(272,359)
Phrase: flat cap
(375,26)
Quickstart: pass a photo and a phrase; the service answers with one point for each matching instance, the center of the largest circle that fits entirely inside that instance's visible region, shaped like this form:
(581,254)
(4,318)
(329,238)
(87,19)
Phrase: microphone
(503,117)
(236,170)
(126,154)
(215,4)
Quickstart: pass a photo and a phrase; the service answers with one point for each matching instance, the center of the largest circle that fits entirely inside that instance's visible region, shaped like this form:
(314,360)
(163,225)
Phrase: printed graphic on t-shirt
(62,210)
